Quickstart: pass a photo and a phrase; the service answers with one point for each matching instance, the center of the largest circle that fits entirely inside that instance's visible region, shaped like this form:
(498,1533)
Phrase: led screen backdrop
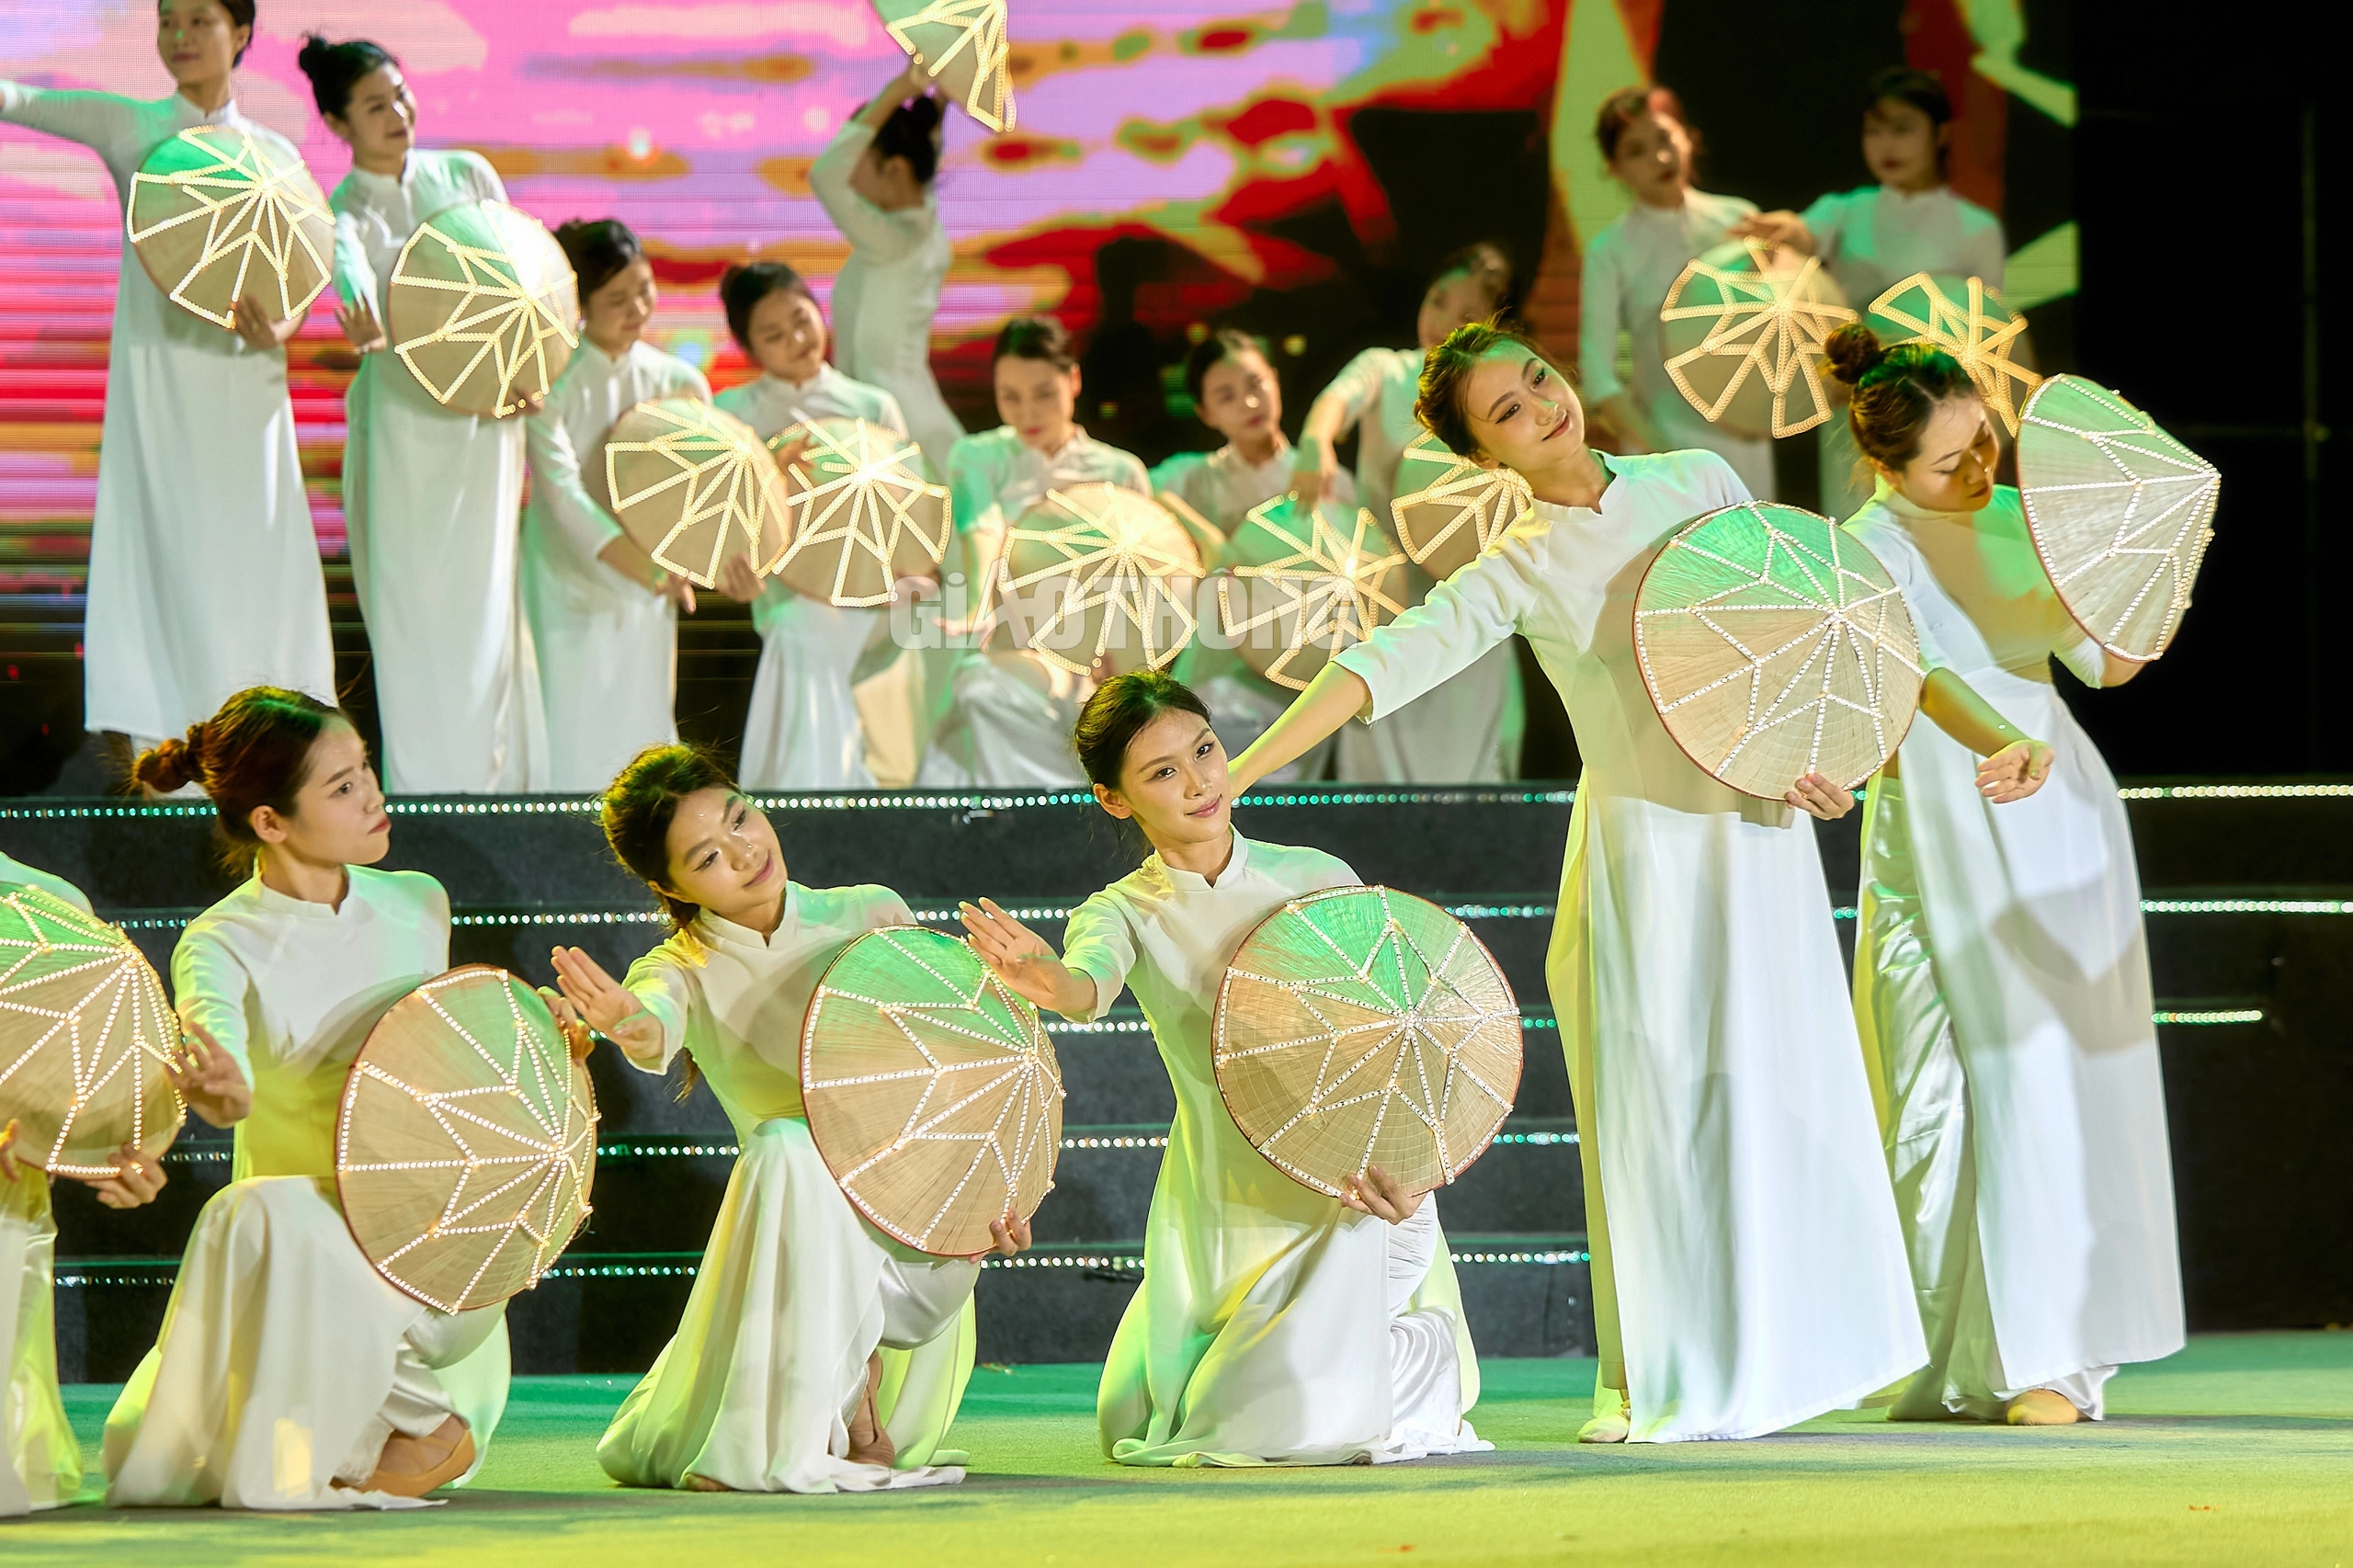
(1291,170)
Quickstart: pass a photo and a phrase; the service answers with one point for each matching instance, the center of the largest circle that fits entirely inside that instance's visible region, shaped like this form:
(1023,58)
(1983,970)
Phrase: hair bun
(1854,352)
(169,767)
(315,56)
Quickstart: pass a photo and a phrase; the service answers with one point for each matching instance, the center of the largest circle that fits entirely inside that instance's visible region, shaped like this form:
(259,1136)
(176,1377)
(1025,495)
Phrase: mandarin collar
(275,902)
(727,933)
(1193,881)
(1912,511)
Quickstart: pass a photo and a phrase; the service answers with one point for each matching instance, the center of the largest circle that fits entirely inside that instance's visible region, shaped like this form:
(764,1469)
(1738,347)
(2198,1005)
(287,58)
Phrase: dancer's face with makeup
(1958,451)
(338,812)
(1173,782)
(1521,410)
(724,856)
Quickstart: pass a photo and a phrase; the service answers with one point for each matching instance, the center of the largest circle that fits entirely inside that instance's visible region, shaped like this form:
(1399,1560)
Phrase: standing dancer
(200,503)
(2001,973)
(41,1460)
(432,499)
(1874,237)
(604,613)
(774,1381)
(1008,713)
(874,181)
(1236,392)
(289,1374)
(1473,735)
(1748,1266)
(1628,267)
(804,731)
(1275,1326)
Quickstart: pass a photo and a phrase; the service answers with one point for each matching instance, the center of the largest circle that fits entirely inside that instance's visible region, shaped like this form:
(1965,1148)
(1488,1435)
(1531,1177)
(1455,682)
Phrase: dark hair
(640,804)
(335,68)
(256,752)
(913,132)
(1924,90)
(1621,108)
(600,249)
(1121,707)
(742,287)
(241,15)
(1896,391)
(1439,404)
(1034,338)
(1485,264)
(1226,342)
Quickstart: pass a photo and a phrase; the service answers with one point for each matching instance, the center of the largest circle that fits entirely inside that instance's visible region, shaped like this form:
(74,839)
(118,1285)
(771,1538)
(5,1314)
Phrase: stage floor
(2238,1449)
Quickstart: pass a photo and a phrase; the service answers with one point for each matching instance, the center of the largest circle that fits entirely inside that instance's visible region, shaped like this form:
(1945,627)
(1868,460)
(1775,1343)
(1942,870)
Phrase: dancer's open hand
(137,1179)
(1024,960)
(360,327)
(1375,1191)
(609,1007)
(209,1079)
(2015,772)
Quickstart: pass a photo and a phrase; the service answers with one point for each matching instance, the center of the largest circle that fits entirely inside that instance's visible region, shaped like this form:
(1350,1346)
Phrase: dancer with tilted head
(2001,971)
(604,613)
(816,1354)
(1473,735)
(804,731)
(40,1459)
(200,503)
(1275,1326)
(432,498)
(1748,1269)
(289,1373)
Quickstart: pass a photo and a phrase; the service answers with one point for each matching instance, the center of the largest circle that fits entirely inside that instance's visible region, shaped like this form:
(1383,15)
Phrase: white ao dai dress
(608,647)
(2002,987)
(286,1360)
(804,731)
(41,1460)
(1628,267)
(1748,1269)
(1871,239)
(1471,735)
(1274,1325)
(797,1289)
(433,501)
(1222,486)
(204,570)
(1006,717)
(888,291)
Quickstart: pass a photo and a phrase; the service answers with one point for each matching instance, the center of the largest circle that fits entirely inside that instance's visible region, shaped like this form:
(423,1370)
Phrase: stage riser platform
(2254,1104)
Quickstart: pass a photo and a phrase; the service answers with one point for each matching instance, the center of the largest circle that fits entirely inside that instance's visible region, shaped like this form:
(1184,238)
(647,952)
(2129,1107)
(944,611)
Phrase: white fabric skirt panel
(1466,731)
(40,1462)
(755,1389)
(1930,1155)
(1755,1267)
(804,731)
(284,1362)
(608,668)
(2032,914)
(1002,731)
(1285,1333)
(204,569)
(433,503)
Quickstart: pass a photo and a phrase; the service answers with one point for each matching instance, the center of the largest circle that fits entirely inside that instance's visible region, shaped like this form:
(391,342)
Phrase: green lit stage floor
(2239,1449)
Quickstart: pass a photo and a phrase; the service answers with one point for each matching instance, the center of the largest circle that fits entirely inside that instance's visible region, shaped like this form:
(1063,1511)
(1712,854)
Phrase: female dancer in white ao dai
(772,1382)
(289,1374)
(2001,973)
(1275,1326)
(432,498)
(1873,237)
(40,1459)
(1472,733)
(874,181)
(1628,267)
(1006,716)
(603,615)
(200,504)
(804,731)
(1236,394)
(1747,1267)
